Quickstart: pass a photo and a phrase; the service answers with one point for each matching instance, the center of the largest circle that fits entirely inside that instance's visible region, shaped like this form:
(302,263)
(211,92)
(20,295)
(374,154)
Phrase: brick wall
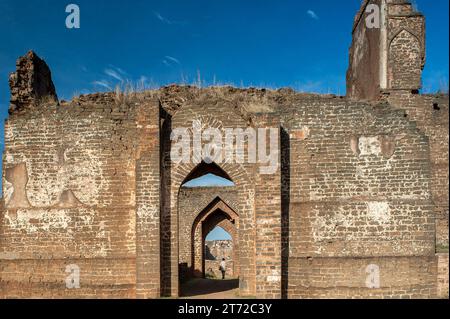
(69,198)
(363,75)
(430,113)
(442,276)
(398,277)
(147,196)
(354,189)
(358,188)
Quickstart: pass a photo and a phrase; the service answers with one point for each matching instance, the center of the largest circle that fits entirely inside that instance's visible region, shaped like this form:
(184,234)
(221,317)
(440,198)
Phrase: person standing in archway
(223,268)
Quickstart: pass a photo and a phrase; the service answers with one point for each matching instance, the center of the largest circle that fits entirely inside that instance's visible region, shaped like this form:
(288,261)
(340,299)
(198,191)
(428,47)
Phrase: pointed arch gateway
(242,218)
(217,213)
(259,242)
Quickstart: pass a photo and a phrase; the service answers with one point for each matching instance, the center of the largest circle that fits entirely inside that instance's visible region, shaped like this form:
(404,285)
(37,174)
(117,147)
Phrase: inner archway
(216,214)
(207,255)
(219,216)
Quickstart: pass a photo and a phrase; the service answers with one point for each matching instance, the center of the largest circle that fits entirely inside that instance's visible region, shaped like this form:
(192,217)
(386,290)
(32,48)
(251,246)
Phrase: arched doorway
(177,174)
(217,214)
(218,199)
(205,279)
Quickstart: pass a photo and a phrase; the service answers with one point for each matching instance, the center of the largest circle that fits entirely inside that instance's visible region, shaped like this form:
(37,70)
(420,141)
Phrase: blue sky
(218,233)
(209,180)
(300,44)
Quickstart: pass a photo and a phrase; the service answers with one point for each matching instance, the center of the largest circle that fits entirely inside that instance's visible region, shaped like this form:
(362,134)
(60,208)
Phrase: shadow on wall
(3,117)
(165,239)
(208,254)
(285,202)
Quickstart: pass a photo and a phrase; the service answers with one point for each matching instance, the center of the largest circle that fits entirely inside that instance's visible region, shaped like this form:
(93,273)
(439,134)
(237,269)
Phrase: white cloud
(170,61)
(114,74)
(168,57)
(165,20)
(103,83)
(312,14)
(161,18)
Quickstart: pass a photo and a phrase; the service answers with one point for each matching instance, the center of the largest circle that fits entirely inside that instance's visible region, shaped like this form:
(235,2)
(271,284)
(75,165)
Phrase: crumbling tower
(31,83)
(388,50)
(387,57)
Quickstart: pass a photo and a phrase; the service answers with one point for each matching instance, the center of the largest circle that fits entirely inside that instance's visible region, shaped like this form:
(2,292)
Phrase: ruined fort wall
(360,193)
(356,207)
(398,46)
(431,114)
(401,50)
(357,185)
(69,187)
(400,277)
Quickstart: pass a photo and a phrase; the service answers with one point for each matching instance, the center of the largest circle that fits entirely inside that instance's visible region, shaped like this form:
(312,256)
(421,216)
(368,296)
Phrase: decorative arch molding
(228,194)
(411,32)
(216,204)
(405,64)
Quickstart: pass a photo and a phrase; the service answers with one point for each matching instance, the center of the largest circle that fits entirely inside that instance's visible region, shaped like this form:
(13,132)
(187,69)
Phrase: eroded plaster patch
(32,221)
(369,145)
(8,190)
(48,184)
(147,212)
(17,176)
(373,145)
(379,212)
